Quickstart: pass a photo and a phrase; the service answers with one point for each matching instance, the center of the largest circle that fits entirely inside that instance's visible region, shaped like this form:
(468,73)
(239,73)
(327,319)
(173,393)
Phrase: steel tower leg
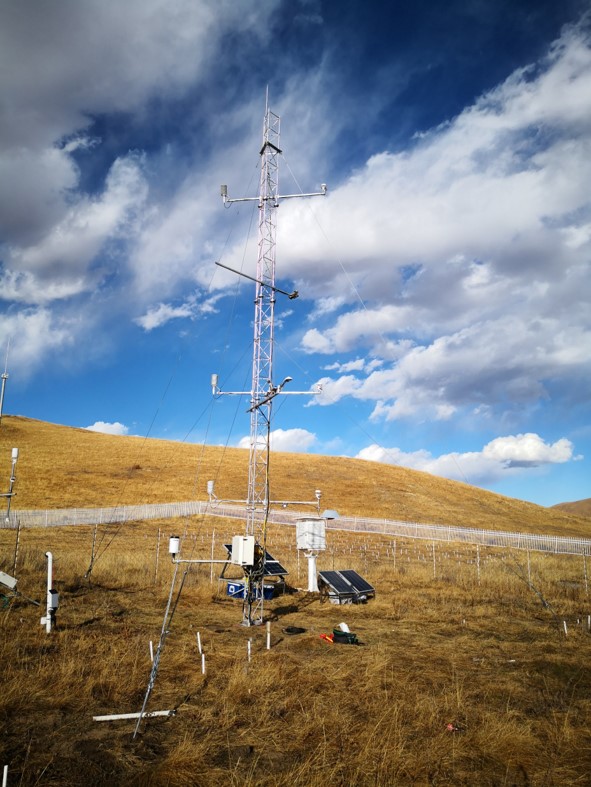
(262,369)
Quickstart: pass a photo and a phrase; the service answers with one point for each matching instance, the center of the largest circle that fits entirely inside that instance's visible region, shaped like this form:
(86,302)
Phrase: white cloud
(288,440)
(499,459)
(473,263)
(357,365)
(25,287)
(34,334)
(489,363)
(58,264)
(363,326)
(161,314)
(118,57)
(528,450)
(108,428)
(69,231)
(332,391)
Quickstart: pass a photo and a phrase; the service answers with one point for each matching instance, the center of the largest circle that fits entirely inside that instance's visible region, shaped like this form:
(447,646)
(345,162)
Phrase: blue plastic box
(236,589)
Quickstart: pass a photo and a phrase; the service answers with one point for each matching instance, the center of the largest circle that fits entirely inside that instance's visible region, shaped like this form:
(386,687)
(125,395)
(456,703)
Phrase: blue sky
(444,280)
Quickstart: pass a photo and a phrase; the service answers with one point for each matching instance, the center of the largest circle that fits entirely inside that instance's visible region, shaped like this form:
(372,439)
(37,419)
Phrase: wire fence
(396,528)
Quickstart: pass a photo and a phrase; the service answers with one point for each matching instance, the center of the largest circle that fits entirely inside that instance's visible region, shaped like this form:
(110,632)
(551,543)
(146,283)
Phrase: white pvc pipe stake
(199,643)
(565,628)
(49,610)
(268,635)
(123,716)
(248,649)
(5,776)
(151,652)
(203,663)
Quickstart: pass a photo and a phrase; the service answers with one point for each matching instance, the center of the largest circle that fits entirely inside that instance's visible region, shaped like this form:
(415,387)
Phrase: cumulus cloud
(74,216)
(357,365)
(528,450)
(108,428)
(62,257)
(288,440)
(492,363)
(35,333)
(192,307)
(473,263)
(499,459)
(161,314)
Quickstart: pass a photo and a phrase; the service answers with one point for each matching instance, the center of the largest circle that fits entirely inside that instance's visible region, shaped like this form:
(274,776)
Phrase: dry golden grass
(455,636)
(62,467)
(445,642)
(578,508)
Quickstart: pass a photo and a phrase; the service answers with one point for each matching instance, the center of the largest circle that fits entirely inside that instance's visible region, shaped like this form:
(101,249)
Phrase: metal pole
(4,377)
(16,545)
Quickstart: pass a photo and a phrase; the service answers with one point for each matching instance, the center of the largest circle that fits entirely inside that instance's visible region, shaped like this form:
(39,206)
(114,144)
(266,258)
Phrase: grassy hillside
(62,467)
(577,508)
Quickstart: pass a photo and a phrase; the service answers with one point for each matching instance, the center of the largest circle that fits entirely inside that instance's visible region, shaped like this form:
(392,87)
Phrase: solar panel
(336,581)
(346,586)
(273,568)
(360,584)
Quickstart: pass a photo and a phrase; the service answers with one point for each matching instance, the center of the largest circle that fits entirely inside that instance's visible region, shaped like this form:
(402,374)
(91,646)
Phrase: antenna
(4,377)
(263,391)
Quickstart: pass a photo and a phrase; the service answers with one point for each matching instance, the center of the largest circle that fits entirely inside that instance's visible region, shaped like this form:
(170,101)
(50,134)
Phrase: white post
(312,578)
(151,652)
(434,565)
(199,642)
(203,663)
(5,776)
(248,649)
(212,549)
(157,556)
(52,597)
(268,635)
(49,610)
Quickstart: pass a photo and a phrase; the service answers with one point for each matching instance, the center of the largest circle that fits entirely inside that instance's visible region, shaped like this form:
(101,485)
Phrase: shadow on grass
(292,609)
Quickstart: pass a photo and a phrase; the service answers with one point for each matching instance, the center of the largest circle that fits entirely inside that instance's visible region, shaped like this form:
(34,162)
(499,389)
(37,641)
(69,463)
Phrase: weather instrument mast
(263,390)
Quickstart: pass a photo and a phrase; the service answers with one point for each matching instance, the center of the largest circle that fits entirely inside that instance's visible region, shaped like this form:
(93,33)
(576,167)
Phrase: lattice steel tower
(263,391)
